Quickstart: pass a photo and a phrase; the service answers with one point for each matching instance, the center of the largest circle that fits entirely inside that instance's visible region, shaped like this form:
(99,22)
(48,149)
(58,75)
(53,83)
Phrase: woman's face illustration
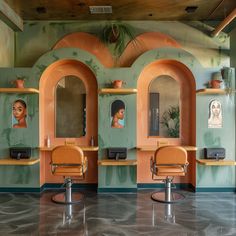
(120,114)
(216,109)
(19,111)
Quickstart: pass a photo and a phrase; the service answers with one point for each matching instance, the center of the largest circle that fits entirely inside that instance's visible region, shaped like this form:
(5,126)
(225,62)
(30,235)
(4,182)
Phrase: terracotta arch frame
(47,84)
(181,73)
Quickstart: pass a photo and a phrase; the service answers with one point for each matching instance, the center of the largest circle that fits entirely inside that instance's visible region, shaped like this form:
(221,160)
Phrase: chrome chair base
(61,198)
(162,197)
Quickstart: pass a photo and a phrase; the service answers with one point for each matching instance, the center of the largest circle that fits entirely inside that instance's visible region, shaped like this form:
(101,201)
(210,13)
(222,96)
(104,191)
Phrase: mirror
(70,107)
(164,116)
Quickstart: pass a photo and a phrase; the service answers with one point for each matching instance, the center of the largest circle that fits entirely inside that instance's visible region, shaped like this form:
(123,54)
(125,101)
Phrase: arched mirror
(164,115)
(70,107)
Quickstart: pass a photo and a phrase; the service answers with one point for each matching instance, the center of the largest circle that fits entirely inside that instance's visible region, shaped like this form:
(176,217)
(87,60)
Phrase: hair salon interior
(117,117)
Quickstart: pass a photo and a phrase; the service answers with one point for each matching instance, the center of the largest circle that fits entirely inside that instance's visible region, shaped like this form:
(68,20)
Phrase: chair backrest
(67,154)
(171,155)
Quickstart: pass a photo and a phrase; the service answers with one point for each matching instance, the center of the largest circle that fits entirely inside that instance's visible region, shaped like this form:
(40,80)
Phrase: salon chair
(168,162)
(68,161)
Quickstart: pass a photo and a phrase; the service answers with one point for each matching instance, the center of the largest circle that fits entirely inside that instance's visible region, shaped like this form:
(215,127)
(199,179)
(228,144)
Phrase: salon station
(117,119)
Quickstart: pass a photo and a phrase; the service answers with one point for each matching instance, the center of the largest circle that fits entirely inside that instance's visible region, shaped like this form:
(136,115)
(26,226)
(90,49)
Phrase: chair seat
(69,171)
(170,171)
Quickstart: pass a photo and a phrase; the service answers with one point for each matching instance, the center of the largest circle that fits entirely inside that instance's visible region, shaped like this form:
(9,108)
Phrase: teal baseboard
(48,186)
(187,186)
(117,190)
(210,189)
(20,190)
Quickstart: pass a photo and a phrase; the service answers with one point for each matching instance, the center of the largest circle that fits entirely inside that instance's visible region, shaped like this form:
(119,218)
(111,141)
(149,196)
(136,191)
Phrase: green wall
(6,46)
(200,53)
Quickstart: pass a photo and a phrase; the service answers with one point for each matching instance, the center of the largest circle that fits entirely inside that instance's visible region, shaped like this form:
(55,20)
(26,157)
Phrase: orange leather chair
(68,161)
(168,162)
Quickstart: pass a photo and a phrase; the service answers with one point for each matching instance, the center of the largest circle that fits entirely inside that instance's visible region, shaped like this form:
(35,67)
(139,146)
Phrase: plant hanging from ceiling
(116,34)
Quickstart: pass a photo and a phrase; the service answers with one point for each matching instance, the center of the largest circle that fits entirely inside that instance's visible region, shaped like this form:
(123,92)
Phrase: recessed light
(100,9)
(191,9)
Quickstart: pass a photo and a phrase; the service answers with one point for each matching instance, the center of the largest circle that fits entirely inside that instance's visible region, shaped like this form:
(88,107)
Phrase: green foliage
(170,120)
(117,33)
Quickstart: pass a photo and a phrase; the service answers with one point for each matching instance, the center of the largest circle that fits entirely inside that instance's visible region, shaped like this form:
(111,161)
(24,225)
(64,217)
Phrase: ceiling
(123,9)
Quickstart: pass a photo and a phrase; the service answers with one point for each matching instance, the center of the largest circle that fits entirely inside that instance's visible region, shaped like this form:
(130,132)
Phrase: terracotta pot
(118,83)
(215,83)
(19,83)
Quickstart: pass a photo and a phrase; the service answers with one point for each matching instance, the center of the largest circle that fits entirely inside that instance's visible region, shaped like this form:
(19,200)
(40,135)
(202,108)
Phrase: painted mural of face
(216,108)
(215,114)
(19,111)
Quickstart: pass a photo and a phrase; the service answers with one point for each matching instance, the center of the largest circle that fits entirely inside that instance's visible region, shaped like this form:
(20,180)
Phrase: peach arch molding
(143,42)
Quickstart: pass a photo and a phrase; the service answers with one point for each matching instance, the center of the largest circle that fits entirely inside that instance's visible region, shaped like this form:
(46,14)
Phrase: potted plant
(19,82)
(170,120)
(227,74)
(117,33)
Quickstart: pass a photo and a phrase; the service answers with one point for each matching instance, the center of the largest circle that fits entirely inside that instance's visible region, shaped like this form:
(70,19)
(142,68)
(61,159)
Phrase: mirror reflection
(164,116)
(70,107)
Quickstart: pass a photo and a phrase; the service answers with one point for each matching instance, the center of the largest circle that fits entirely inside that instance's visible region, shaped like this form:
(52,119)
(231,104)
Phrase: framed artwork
(19,114)
(118,114)
(215,114)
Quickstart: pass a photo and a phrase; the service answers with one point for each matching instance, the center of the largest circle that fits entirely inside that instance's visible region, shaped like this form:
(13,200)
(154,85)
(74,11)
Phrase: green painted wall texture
(7,46)
(200,53)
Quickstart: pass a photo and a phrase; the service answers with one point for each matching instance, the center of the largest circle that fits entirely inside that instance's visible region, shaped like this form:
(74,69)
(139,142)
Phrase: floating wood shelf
(19,90)
(154,148)
(216,163)
(108,162)
(84,148)
(117,91)
(21,162)
(213,91)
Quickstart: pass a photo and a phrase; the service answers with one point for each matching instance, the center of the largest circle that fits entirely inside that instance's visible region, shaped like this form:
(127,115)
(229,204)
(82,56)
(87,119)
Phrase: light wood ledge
(153,148)
(117,91)
(216,163)
(21,162)
(108,162)
(84,148)
(19,90)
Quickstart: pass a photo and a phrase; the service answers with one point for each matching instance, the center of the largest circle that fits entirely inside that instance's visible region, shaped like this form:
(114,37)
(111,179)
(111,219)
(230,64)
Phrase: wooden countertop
(109,162)
(84,148)
(152,148)
(21,162)
(216,163)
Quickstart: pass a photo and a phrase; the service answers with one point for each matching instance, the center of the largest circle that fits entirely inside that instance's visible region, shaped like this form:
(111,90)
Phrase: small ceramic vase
(118,83)
(19,83)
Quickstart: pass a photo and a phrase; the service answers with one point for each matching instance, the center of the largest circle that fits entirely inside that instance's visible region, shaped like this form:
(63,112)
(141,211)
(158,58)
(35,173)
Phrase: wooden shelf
(84,148)
(213,91)
(117,91)
(21,162)
(216,163)
(108,162)
(154,148)
(19,90)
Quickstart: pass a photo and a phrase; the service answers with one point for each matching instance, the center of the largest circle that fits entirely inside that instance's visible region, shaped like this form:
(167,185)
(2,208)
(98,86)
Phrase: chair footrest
(61,198)
(161,197)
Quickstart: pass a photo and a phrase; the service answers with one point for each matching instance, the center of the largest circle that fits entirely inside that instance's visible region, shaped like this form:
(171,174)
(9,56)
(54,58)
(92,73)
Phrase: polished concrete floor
(118,214)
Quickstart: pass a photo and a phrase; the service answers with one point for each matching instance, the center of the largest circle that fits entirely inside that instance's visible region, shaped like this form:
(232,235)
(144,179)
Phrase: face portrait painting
(215,114)
(117,114)
(19,113)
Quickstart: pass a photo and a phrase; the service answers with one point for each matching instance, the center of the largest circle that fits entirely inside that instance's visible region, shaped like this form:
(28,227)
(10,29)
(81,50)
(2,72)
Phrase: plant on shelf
(170,120)
(227,74)
(19,82)
(117,34)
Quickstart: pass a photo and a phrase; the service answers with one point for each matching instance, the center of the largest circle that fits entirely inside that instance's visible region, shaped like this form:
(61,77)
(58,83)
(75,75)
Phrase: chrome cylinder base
(162,197)
(61,198)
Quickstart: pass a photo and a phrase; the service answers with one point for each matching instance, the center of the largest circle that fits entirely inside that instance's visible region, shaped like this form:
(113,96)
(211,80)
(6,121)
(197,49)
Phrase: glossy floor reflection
(118,214)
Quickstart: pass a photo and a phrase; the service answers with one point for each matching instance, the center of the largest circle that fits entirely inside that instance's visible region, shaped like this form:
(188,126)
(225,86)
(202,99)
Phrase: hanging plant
(117,34)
